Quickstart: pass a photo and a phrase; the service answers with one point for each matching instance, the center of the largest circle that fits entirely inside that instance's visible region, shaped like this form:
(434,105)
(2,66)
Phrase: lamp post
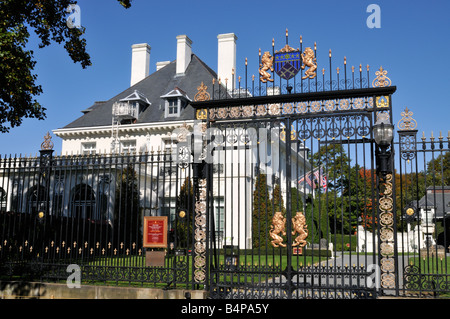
(43,192)
(383,133)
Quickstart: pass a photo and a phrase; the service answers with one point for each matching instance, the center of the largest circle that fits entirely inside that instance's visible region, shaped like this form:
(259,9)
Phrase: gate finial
(381,80)
(202,94)
(407,122)
(47,144)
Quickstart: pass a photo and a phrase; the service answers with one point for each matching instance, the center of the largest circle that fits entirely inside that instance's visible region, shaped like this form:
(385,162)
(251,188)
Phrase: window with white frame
(219,209)
(88,148)
(2,199)
(128,147)
(169,144)
(172,107)
(169,209)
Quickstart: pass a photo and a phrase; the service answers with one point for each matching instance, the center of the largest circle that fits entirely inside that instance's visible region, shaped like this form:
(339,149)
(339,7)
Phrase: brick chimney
(184,52)
(140,62)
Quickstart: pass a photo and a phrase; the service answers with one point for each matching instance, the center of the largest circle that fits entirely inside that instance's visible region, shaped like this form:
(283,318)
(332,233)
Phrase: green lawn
(244,260)
(432,265)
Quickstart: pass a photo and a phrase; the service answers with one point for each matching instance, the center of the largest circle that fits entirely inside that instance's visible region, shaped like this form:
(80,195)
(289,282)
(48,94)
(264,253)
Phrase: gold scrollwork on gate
(47,144)
(386,234)
(407,122)
(202,94)
(201,114)
(200,233)
(382,101)
(381,79)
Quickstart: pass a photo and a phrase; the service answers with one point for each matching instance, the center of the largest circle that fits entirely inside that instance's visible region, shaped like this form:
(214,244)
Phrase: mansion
(144,119)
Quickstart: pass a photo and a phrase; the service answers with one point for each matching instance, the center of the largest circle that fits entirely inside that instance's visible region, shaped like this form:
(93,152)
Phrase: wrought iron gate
(423,210)
(283,190)
(293,202)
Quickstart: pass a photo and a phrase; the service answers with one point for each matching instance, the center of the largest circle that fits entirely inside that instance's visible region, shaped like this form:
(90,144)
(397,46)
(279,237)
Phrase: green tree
(296,201)
(352,202)
(18,87)
(334,160)
(184,203)
(262,212)
(438,170)
(127,217)
(277,200)
(317,219)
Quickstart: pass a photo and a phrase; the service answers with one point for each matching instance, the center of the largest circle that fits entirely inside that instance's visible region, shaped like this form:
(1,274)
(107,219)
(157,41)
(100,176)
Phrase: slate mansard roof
(437,197)
(153,87)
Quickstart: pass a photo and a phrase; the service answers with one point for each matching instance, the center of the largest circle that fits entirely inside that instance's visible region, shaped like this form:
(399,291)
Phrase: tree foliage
(184,223)
(296,201)
(262,212)
(127,217)
(317,219)
(438,170)
(277,200)
(334,160)
(18,83)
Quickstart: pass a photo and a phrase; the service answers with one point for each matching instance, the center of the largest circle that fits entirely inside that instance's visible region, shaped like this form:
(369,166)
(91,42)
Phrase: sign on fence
(155,231)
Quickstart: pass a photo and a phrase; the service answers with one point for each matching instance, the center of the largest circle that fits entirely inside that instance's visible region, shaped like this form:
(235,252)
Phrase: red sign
(155,231)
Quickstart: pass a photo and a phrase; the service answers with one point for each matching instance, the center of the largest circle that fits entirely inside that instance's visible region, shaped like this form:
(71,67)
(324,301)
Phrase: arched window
(37,198)
(83,202)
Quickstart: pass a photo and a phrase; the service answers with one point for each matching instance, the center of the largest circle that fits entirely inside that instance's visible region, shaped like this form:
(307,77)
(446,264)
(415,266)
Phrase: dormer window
(175,101)
(172,107)
(128,110)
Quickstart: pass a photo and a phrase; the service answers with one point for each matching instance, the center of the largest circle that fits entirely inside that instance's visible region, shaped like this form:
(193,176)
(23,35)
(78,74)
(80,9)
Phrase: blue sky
(413,45)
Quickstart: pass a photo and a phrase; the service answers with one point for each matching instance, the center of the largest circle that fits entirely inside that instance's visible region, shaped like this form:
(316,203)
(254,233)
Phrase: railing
(342,79)
(423,210)
(86,212)
(125,110)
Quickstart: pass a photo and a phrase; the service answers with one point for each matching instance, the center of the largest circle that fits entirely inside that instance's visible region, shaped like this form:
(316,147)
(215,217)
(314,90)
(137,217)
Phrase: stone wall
(28,290)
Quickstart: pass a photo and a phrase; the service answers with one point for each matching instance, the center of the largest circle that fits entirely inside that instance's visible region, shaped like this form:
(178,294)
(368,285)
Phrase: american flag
(307,178)
(321,178)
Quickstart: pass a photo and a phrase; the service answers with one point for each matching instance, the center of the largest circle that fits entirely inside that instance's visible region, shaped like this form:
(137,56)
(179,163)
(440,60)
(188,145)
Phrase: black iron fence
(87,211)
(61,212)
(423,211)
(338,76)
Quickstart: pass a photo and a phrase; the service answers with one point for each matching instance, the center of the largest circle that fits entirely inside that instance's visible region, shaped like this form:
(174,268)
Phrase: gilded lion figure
(309,61)
(266,64)
(278,226)
(300,227)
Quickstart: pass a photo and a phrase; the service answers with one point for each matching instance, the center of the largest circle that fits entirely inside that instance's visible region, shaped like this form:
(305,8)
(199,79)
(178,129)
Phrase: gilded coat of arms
(266,64)
(309,60)
(278,227)
(287,62)
(299,227)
